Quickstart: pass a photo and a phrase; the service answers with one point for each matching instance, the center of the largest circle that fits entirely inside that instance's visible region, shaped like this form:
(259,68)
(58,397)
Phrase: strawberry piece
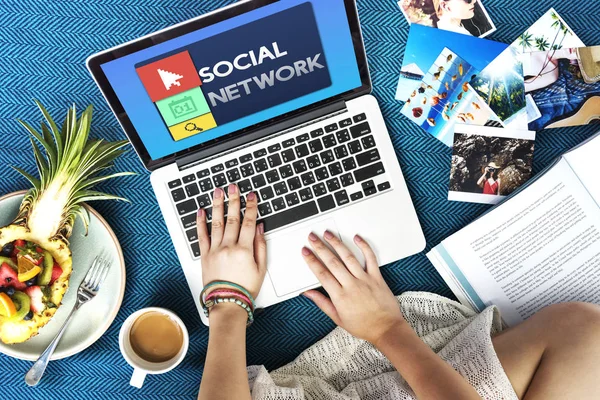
(36,296)
(36,261)
(18,243)
(56,273)
(9,277)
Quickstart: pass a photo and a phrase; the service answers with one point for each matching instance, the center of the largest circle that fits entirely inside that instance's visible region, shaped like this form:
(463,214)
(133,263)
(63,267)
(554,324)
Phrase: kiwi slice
(45,276)
(9,262)
(22,304)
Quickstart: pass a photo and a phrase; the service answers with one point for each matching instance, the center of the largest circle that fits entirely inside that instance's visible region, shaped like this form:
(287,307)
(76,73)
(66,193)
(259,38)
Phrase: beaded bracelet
(228,293)
(227,284)
(210,304)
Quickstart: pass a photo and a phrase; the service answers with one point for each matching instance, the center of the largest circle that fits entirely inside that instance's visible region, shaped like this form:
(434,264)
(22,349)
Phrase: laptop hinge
(261,135)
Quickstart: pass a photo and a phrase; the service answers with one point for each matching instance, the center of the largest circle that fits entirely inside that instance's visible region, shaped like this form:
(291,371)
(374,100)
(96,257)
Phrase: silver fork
(87,291)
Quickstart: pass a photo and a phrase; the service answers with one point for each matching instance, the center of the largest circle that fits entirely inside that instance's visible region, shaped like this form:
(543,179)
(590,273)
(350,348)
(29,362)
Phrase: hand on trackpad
(286,267)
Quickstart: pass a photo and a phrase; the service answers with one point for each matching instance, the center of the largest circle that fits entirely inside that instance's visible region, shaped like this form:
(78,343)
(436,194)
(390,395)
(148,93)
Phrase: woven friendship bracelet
(226,284)
(227,293)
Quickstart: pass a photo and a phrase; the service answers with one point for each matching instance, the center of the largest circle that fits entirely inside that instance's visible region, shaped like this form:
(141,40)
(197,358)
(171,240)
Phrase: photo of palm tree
(549,33)
(501,83)
(502,87)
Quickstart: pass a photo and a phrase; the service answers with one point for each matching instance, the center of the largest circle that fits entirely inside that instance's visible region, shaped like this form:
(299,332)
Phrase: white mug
(140,366)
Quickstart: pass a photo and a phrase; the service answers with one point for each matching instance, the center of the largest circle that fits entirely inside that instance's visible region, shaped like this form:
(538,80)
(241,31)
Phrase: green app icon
(183,106)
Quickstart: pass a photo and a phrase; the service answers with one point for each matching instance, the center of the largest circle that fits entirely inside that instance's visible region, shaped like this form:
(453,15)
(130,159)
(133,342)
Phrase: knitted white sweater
(341,367)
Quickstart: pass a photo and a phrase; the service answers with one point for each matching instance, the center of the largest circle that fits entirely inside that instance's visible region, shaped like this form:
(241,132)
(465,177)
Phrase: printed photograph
(468,17)
(424,45)
(488,163)
(445,98)
(565,86)
(501,86)
(547,33)
(501,83)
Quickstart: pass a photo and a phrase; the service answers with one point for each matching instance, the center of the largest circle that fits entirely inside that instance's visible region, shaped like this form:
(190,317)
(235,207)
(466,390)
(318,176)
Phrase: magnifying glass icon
(191,127)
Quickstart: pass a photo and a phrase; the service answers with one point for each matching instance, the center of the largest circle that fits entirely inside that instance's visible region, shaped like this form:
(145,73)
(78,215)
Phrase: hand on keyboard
(236,250)
(360,300)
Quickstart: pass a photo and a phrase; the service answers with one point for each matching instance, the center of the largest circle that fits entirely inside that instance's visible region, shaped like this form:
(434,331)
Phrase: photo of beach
(444,98)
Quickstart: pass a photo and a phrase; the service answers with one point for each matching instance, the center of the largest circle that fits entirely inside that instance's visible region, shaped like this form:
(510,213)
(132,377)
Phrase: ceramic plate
(93,318)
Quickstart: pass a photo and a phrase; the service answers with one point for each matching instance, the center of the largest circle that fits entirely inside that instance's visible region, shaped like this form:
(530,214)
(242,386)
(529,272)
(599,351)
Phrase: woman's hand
(237,250)
(360,300)
(363,304)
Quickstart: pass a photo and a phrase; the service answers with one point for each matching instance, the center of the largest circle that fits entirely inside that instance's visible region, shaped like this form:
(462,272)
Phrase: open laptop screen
(206,84)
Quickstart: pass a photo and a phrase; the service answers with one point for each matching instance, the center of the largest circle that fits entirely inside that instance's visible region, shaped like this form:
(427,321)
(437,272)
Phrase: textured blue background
(43,45)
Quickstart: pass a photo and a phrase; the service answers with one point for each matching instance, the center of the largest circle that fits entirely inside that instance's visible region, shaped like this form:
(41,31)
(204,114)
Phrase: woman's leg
(555,354)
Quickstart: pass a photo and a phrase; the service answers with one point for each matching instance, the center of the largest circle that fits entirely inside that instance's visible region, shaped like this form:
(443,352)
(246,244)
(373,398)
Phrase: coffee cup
(153,341)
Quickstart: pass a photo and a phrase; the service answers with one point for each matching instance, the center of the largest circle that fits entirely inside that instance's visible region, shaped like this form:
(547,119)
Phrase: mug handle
(137,378)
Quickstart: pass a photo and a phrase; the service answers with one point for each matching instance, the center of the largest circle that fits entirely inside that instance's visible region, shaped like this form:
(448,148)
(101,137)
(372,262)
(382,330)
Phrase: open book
(539,247)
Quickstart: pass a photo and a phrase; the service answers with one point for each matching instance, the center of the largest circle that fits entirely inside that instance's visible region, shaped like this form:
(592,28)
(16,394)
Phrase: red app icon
(169,76)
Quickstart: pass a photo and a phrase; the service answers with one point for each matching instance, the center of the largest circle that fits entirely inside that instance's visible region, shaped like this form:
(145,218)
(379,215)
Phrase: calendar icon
(183,106)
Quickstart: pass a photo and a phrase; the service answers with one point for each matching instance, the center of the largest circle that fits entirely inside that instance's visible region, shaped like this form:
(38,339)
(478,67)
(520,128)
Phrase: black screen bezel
(94,63)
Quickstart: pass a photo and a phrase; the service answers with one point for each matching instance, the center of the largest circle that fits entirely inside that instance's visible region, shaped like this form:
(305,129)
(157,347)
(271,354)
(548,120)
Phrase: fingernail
(328,235)
(200,212)
(261,228)
(218,193)
(251,196)
(232,189)
(305,251)
(313,237)
(358,239)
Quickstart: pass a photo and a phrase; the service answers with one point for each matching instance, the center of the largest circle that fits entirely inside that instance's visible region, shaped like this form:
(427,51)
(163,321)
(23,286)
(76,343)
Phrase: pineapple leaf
(93,181)
(47,146)
(55,131)
(92,195)
(80,138)
(85,217)
(34,181)
(71,126)
(41,163)
(102,155)
(51,150)
(83,213)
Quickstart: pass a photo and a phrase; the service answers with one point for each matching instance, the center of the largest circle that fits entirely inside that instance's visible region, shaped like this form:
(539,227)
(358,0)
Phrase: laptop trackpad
(286,267)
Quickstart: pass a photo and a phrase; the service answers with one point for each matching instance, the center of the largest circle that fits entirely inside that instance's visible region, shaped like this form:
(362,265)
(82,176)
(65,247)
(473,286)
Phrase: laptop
(273,96)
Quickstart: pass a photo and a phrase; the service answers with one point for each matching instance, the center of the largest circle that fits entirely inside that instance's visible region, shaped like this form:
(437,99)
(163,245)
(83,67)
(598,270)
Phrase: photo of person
(490,180)
(468,17)
(564,83)
(488,163)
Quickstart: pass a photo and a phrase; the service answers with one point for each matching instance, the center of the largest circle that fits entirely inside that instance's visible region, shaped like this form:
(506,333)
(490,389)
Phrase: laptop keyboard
(297,178)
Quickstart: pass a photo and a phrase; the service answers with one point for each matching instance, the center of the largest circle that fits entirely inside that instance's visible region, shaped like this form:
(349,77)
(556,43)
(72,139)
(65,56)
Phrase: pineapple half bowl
(45,239)
(94,318)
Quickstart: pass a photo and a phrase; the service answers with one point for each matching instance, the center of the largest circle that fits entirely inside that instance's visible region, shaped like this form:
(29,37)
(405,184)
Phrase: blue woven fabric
(43,46)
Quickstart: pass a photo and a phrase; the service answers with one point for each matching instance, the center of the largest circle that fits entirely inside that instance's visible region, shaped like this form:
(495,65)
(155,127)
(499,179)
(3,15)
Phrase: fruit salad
(27,273)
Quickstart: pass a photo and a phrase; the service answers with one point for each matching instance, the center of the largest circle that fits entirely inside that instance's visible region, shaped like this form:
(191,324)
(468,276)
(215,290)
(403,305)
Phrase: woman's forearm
(225,375)
(428,375)
(481,180)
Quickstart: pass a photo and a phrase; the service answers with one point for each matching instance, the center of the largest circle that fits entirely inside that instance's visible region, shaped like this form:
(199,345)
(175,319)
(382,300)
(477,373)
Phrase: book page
(584,161)
(538,248)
